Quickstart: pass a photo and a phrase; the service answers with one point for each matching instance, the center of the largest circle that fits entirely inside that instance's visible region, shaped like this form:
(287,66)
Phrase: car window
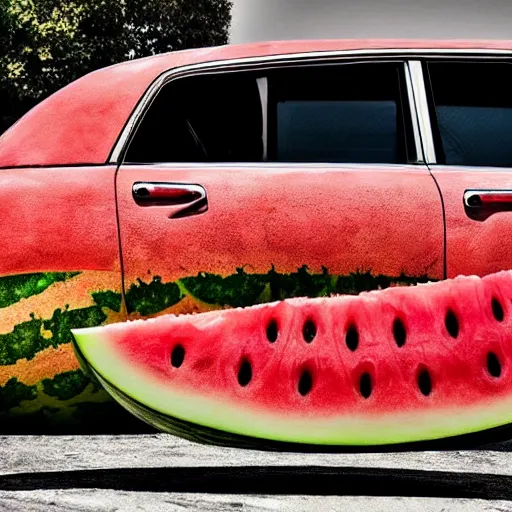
(201,119)
(472,105)
(350,113)
(339,113)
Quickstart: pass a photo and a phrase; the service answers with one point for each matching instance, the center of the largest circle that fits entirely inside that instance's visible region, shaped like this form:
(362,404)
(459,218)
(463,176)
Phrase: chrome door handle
(190,199)
(480,204)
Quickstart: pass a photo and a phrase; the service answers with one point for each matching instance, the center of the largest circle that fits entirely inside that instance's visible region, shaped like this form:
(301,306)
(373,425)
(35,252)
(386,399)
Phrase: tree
(47,44)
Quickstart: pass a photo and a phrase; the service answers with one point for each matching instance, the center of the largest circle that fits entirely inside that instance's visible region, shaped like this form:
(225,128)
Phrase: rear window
(352,113)
(472,106)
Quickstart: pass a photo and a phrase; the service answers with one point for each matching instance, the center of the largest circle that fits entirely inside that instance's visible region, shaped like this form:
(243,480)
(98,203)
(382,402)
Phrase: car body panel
(474,247)
(60,267)
(59,219)
(81,123)
(270,222)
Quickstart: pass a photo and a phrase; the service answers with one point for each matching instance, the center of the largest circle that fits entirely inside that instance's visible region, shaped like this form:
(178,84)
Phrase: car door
(59,270)
(258,185)
(471,159)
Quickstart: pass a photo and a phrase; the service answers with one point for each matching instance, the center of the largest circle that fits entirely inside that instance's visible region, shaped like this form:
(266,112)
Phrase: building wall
(256,20)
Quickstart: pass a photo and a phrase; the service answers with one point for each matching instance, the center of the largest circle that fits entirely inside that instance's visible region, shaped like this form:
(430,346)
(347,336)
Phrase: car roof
(80,124)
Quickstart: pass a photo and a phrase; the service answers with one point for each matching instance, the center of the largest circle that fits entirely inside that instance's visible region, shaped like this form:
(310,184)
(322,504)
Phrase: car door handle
(187,199)
(480,204)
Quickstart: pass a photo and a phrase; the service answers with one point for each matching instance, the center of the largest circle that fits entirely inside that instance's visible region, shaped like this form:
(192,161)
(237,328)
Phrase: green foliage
(47,44)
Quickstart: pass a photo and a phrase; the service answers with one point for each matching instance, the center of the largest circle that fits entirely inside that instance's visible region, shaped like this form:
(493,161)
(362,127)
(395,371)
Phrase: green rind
(244,290)
(108,299)
(17,287)
(27,338)
(14,392)
(236,290)
(148,299)
(218,414)
(66,385)
(200,434)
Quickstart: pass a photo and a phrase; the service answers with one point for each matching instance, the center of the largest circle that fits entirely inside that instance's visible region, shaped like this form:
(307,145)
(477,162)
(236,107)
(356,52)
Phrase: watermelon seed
(272,331)
(493,365)
(305,383)
(245,373)
(309,331)
(365,385)
(451,323)
(424,382)
(352,338)
(177,356)
(497,310)
(399,332)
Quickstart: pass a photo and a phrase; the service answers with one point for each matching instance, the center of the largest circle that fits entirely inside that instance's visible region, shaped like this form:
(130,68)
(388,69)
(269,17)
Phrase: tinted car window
(473,109)
(337,131)
(339,113)
(202,119)
(350,113)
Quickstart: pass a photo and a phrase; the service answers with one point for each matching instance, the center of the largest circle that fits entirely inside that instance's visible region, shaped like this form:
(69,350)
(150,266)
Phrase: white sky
(257,20)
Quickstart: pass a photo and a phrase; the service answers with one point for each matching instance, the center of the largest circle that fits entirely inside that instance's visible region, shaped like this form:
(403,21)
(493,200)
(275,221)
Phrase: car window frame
(261,65)
(413,58)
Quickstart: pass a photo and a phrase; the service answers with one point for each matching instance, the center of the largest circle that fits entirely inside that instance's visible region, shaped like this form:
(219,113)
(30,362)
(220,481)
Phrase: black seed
(245,373)
(309,331)
(272,331)
(177,356)
(493,365)
(305,383)
(352,338)
(424,382)
(399,332)
(497,310)
(365,385)
(451,323)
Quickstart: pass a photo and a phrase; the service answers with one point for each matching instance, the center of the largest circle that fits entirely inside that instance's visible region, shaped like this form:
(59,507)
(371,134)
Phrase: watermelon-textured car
(240,175)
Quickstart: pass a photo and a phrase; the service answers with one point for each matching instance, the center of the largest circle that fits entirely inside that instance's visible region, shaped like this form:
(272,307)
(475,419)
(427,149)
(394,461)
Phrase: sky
(258,20)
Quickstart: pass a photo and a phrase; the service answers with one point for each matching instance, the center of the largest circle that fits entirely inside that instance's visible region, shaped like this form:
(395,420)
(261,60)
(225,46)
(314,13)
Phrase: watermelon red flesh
(450,376)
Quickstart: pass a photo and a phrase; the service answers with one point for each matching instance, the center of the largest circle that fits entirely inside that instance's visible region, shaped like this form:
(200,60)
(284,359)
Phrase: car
(236,175)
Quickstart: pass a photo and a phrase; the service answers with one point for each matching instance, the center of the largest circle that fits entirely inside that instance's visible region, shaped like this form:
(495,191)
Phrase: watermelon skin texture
(42,386)
(446,372)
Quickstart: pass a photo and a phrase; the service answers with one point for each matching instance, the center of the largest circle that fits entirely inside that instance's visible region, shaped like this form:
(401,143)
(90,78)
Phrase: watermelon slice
(394,366)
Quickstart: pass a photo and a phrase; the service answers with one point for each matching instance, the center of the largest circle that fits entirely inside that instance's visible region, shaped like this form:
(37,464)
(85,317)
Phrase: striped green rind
(68,390)
(17,287)
(66,385)
(27,338)
(108,299)
(69,403)
(14,392)
(237,419)
(150,298)
(243,289)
